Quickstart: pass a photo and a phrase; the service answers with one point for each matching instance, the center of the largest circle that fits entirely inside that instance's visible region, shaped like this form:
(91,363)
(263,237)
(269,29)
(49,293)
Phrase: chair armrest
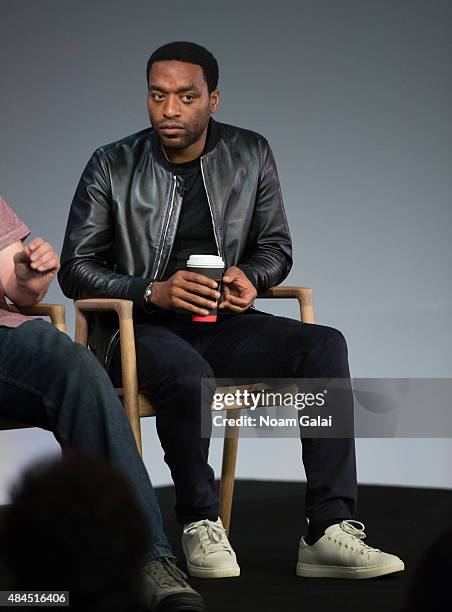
(56,312)
(123,308)
(302,294)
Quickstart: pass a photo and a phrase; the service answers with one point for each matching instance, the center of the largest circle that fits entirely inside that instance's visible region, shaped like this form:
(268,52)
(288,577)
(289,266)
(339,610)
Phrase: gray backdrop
(355,99)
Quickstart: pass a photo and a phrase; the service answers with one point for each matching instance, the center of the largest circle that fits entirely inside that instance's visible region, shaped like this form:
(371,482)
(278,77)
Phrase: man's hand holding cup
(196,290)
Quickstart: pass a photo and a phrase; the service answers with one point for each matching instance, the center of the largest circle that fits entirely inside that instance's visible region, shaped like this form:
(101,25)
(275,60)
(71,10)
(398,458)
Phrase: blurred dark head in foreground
(75,524)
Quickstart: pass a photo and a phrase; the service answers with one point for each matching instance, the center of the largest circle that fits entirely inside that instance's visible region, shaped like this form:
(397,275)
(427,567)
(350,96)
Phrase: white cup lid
(205,261)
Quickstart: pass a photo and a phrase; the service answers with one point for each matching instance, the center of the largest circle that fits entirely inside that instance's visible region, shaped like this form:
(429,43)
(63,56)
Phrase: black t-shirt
(194,234)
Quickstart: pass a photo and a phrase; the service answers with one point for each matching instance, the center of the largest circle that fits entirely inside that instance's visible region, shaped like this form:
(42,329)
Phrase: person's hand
(186,290)
(36,265)
(239,291)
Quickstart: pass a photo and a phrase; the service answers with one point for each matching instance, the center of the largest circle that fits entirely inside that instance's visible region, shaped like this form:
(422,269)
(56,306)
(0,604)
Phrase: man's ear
(214,100)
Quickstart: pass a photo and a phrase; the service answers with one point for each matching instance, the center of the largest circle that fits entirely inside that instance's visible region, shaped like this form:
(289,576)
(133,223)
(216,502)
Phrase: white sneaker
(208,551)
(341,553)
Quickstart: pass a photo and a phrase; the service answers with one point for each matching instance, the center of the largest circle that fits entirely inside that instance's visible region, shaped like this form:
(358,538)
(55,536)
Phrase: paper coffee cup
(213,267)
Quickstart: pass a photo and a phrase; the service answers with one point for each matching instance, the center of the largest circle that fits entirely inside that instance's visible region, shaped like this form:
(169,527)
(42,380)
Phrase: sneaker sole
(217,572)
(354,573)
(180,603)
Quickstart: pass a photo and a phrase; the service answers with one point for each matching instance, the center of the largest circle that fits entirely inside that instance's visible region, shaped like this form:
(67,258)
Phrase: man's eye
(158,97)
(188,98)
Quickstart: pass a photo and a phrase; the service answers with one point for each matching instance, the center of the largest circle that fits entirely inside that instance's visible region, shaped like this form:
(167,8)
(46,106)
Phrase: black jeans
(48,381)
(173,354)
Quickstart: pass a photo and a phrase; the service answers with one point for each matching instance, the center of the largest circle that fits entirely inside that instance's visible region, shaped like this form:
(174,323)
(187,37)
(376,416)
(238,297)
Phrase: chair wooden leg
(231,440)
(129,380)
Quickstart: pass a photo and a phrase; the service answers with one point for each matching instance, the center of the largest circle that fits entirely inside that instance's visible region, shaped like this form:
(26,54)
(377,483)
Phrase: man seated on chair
(48,381)
(144,204)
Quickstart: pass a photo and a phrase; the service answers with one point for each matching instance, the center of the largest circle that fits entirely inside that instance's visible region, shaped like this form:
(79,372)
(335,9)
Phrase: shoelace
(211,536)
(165,573)
(356,534)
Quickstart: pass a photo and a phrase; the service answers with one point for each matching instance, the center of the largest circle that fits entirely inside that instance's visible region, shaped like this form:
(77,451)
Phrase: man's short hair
(191,53)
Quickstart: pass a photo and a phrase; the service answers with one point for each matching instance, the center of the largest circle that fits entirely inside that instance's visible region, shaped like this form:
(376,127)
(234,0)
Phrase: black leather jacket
(124,216)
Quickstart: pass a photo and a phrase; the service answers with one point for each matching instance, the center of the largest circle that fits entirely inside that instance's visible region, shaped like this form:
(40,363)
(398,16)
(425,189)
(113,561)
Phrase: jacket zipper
(211,211)
(165,231)
(110,344)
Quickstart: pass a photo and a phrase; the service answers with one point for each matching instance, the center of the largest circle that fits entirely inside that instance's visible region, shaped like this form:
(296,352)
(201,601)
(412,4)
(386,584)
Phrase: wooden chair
(56,313)
(138,404)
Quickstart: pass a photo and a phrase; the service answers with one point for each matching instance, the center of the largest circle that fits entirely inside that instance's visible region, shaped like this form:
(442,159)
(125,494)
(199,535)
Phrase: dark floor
(266,526)
(265,530)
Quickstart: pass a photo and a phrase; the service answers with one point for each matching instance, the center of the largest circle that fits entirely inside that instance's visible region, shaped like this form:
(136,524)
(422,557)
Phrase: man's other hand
(36,265)
(186,290)
(239,291)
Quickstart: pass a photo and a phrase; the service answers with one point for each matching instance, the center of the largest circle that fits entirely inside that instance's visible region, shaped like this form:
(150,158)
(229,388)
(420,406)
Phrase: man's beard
(190,135)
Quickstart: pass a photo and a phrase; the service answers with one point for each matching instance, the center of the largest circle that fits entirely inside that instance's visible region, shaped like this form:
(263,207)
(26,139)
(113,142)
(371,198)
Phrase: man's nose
(171,107)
